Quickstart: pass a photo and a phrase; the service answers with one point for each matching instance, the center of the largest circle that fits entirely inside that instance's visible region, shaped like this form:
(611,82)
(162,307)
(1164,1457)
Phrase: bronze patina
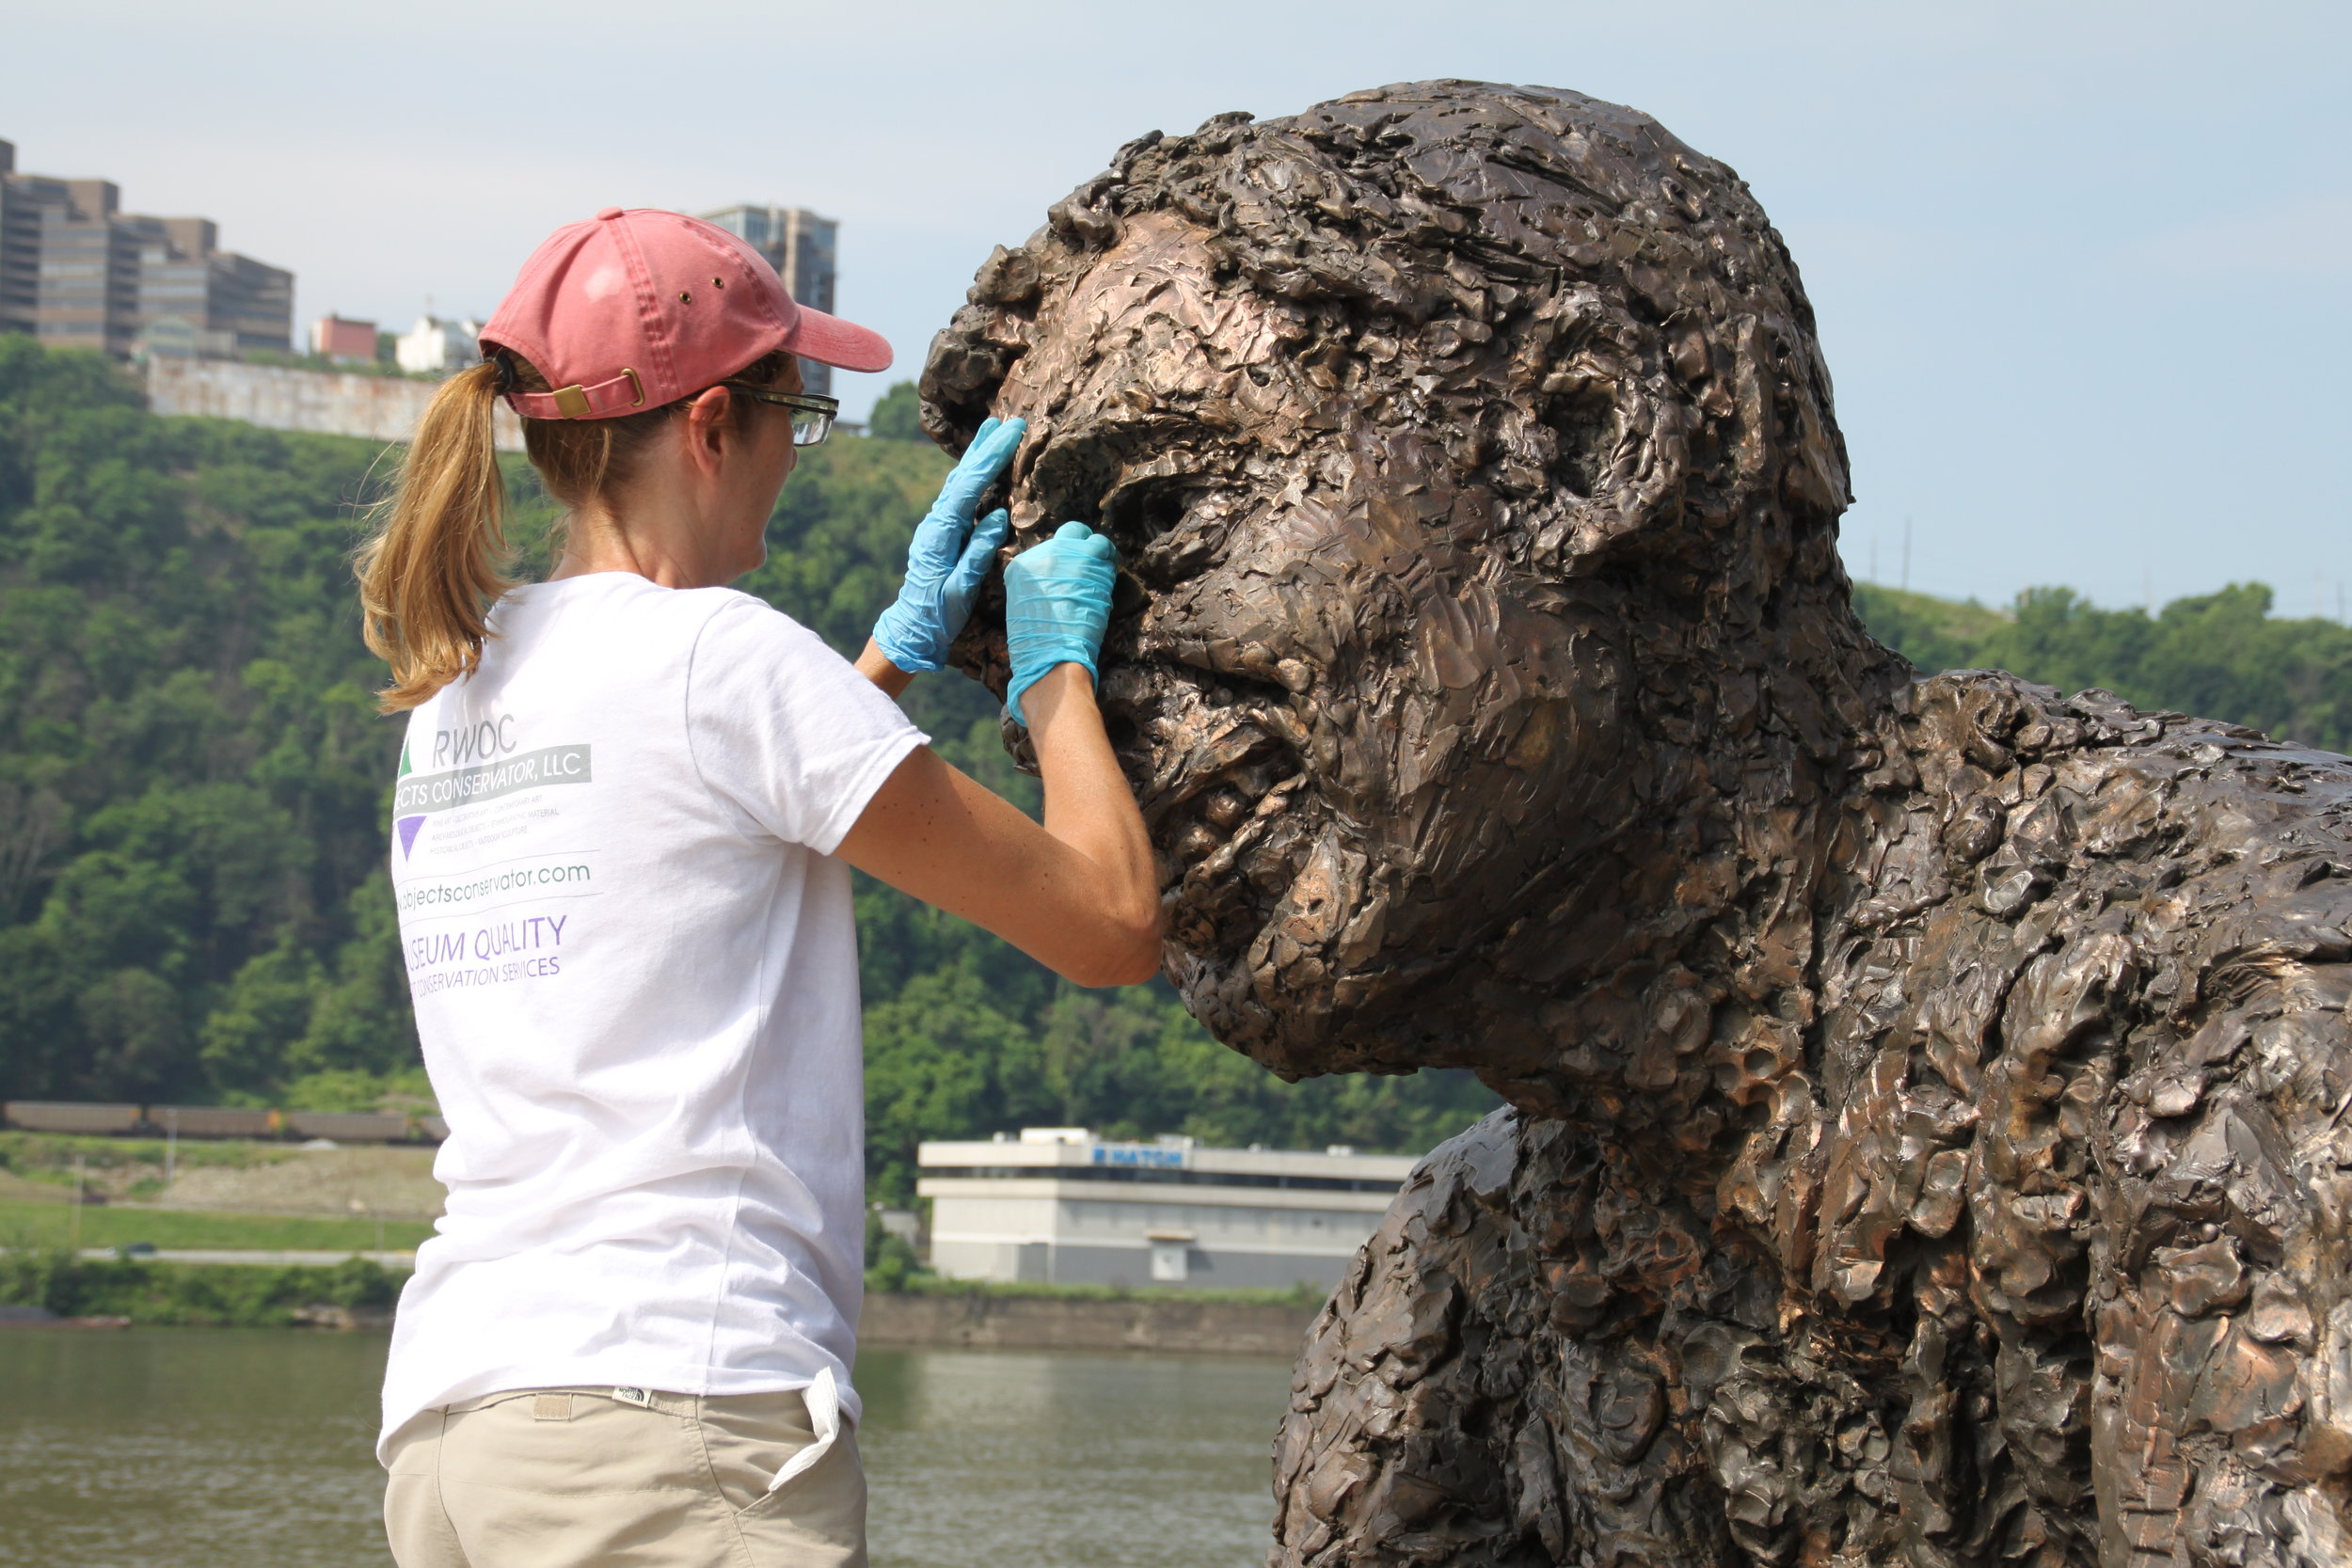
(1925,1141)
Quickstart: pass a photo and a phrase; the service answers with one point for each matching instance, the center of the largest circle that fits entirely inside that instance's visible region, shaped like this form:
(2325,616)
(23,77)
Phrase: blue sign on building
(1150,1156)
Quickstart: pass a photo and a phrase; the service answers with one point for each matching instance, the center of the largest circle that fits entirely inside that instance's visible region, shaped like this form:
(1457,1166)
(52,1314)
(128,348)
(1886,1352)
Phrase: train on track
(221,1122)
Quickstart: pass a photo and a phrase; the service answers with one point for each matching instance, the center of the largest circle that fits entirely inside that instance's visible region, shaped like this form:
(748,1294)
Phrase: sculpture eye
(1583,427)
(1153,523)
(1070,477)
(1141,511)
(1135,481)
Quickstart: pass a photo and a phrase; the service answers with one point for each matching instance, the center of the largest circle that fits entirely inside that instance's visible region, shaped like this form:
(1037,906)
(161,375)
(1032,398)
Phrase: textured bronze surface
(1925,1141)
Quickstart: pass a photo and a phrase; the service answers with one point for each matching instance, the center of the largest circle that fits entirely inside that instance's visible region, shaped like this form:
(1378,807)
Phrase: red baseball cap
(633,309)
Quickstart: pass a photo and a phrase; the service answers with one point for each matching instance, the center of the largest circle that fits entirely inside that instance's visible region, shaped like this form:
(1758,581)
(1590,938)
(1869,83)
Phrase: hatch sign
(1144,1156)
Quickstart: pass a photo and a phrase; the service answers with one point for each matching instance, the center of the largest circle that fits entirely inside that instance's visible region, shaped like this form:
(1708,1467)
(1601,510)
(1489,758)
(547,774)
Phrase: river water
(252,1448)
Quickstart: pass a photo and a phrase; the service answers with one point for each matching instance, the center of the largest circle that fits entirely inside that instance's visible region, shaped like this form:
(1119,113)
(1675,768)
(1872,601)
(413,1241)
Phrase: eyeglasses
(812,416)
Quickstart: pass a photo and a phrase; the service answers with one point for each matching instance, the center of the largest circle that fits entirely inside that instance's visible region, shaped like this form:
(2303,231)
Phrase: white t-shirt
(635,971)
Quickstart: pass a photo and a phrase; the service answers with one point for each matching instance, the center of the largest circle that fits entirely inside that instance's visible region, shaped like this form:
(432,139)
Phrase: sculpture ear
(1592,439)
(1623,437)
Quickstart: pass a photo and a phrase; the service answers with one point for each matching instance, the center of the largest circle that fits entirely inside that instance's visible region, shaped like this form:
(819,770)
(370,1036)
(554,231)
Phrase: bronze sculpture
(1925,1142)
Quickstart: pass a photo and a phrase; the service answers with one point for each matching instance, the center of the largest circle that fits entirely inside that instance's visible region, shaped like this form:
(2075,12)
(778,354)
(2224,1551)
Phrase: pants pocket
(762,1445)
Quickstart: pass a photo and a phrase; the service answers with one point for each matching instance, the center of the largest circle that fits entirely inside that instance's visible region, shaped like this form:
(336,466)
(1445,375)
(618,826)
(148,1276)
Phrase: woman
(627,802)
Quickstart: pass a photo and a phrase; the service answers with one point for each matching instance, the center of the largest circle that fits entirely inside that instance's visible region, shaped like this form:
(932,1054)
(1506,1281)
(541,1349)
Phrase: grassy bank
(352,1184)
(126,1167)
(176,1294)
(51,1224)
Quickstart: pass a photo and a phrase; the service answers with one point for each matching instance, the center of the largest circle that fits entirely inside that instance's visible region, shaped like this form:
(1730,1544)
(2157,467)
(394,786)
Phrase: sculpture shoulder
(2033,857)
(2028,793)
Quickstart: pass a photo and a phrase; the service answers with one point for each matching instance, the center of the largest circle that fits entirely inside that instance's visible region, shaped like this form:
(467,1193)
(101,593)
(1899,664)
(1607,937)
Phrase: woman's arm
(1080,894)
(875,666)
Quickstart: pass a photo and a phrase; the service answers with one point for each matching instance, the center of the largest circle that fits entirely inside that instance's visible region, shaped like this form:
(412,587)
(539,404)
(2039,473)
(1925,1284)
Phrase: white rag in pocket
(824,1417)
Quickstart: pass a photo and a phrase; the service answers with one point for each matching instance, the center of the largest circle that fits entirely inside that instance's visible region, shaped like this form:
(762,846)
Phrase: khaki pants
(575,1478)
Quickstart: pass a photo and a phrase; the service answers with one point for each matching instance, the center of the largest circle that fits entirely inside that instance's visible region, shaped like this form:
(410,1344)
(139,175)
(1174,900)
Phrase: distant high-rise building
(800,246)
(77,272)
(20,251)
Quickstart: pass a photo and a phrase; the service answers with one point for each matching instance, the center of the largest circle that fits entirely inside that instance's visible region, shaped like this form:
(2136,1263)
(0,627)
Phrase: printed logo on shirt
(526,948)
(419,795)
(527,875)
(406,826)
(489,737)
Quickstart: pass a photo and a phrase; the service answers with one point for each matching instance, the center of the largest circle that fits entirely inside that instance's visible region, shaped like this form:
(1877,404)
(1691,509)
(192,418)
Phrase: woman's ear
(711,425)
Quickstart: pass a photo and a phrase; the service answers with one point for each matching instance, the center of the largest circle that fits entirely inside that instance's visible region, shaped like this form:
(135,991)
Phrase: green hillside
(194,787)
(194,784)
(1933,633)
(2220,656)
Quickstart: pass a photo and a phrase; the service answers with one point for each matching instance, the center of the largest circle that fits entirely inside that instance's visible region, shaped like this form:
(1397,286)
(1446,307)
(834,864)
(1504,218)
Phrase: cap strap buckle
(577,402)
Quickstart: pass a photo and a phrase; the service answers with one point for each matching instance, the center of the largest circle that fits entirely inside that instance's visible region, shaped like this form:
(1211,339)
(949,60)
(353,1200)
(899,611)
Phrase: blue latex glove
(1057,600)
(949,556)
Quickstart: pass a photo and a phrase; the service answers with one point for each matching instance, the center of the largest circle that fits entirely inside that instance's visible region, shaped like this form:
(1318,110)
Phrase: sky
(2081,269)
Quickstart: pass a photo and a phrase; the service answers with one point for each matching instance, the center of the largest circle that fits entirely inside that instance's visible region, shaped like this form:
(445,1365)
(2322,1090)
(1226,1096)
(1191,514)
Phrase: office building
(77,272)
(800,246)
(20,247)
(1059,1206)
(336,337)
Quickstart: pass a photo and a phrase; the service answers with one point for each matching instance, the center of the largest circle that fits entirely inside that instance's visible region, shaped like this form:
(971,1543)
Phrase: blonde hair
(439,558)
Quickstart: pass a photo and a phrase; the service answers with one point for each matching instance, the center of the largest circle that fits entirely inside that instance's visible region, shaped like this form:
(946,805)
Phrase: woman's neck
(658,543)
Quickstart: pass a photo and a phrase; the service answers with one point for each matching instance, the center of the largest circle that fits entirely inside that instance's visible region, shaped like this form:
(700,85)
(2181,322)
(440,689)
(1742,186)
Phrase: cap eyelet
(718,283)
(685,298)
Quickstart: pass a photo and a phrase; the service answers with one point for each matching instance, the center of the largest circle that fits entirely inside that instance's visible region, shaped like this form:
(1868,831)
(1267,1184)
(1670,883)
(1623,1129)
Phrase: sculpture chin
(1235,813)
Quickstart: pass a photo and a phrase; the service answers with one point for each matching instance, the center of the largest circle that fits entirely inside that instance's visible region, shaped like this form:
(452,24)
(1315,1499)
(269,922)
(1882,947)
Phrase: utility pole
(1906,555)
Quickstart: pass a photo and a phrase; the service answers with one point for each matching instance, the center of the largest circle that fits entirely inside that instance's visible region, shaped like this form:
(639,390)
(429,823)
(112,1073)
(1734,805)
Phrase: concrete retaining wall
(1046,1323)
(375,407)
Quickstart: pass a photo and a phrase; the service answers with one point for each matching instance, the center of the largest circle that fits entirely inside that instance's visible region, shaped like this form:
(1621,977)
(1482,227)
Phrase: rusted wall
(375,407)
(1042,1322)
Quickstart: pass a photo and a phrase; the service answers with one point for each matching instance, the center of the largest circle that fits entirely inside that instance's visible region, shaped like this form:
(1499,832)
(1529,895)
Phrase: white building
(437,347)
(1057,1206)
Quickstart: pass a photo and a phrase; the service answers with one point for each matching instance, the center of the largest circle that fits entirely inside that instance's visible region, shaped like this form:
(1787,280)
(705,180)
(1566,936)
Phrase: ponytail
(439,558)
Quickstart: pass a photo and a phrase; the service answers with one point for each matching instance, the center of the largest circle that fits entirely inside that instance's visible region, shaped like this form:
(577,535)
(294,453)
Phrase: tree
(191,771)
(897,415)
(194,784)
(2220,655)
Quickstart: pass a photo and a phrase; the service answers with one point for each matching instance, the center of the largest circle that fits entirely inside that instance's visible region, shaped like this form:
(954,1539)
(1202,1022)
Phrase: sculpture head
(1468,449)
